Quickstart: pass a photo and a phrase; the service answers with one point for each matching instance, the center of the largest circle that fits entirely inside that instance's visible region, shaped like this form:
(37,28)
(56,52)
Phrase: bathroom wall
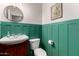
(70,11)
(32,12)
(31,30)
(0,30)
(64,31)
(65,36)
(30,25)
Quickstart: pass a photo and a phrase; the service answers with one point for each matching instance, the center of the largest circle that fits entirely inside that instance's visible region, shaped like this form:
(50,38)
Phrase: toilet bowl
(35,47)
(39,52)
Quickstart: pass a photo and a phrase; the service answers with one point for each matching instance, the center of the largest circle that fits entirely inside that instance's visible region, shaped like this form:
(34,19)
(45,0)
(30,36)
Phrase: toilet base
(40,52)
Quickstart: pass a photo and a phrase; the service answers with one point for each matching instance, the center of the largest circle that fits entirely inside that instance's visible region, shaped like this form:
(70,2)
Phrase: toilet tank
(34,43)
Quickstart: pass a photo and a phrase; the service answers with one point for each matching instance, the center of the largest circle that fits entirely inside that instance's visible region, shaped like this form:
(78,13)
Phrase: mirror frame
(6,13)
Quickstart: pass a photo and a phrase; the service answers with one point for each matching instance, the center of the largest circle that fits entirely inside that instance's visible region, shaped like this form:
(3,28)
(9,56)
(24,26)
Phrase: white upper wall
(70,11)
(32,12)
(38,13)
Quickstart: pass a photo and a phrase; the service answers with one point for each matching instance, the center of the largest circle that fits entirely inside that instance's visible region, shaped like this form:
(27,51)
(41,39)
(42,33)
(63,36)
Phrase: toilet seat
(39,52)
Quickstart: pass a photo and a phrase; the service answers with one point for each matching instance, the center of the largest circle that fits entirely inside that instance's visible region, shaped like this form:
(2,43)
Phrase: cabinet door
(11,51)
(21,51)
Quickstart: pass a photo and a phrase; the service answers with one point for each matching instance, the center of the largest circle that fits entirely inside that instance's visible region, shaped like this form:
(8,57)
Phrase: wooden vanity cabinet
(21,49)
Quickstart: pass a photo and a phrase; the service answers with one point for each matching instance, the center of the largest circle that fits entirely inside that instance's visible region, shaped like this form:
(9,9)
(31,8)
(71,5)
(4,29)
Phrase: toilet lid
(39,52)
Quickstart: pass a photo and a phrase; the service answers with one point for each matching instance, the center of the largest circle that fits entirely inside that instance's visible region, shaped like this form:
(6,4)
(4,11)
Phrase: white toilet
(35,47)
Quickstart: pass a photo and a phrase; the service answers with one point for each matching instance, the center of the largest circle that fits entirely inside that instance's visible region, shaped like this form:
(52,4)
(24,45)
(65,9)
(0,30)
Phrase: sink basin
(13,40)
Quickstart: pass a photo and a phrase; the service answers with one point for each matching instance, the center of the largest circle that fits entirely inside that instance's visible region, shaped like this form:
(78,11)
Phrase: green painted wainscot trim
(0,30)
(32,30)
(65,36)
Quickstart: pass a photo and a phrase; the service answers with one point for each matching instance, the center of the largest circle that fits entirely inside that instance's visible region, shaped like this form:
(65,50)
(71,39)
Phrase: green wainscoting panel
(50,32)
(63,42)
(0,30)
(32,30)
(45,38)
(55,38)
(65,36)
(49,38)
(73,32)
